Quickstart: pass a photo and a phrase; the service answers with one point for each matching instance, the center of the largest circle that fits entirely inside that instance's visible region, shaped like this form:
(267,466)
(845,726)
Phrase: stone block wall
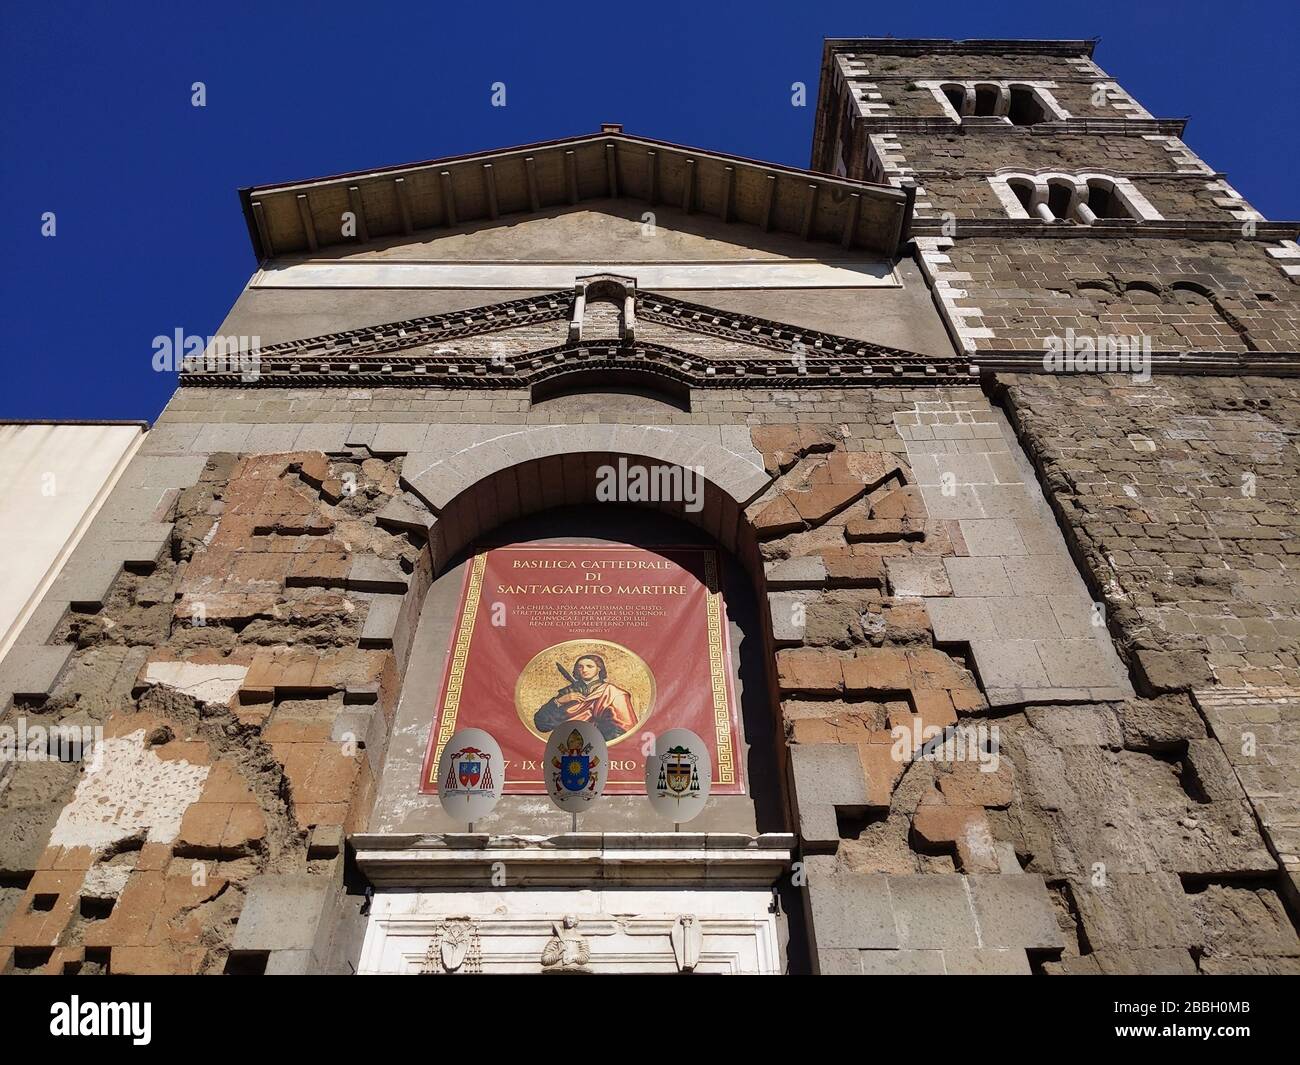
(1120,826)
(1180,498)
(916,581)
(1015,294)
(954,168)
(1191,267)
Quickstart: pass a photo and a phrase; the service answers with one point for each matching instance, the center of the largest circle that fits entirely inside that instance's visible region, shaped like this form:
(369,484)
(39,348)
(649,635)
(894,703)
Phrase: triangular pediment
(359,209)
(518,343)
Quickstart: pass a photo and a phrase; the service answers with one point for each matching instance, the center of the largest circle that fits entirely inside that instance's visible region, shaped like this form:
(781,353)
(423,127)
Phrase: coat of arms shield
(678,775)
(678,765)
(471,774)
(469,767)
(576,764)
(575,771)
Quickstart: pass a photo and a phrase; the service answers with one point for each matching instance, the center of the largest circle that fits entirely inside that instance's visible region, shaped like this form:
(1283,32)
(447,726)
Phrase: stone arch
(988,99)
(501,475)
(520,487)
(501,479)
(1025,192)
(1062,194)
(1024,107)
(1195,288)
(956,94)
(1142,292)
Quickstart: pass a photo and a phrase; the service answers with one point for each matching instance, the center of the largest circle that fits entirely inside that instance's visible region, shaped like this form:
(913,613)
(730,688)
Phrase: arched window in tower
(1024,190)
(986,99)
(1060,195)
(1025,108)
(1102,201)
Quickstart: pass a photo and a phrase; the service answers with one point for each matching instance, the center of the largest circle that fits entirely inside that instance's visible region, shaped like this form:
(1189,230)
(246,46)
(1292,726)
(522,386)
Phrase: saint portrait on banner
(591,696)
(598,681)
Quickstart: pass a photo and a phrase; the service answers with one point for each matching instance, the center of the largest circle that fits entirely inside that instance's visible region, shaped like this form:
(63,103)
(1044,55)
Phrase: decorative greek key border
(460,653)
(725,772)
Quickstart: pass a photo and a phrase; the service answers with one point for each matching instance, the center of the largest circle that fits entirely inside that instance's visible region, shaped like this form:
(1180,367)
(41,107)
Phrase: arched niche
(551,499)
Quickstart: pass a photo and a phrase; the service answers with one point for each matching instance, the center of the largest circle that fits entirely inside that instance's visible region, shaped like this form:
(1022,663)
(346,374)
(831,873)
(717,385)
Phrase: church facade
(946,488)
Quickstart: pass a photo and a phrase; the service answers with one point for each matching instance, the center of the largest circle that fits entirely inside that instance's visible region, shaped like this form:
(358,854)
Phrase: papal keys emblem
(576,768)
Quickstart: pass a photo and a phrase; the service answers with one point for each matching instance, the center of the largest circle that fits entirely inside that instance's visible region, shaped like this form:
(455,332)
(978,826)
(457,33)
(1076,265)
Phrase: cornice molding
(975,46)
(1110,127)
(382,355)
(1170,363)
(769,354)
(668,859)
(396,337)
(304,216)
(1110,228)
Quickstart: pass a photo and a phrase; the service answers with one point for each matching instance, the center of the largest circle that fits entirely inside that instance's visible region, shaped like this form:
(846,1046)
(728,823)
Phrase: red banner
(632,639)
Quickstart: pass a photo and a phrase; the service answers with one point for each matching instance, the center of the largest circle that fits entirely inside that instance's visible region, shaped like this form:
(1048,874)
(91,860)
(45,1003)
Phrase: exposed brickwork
(236,656)
(864,664)
(1144,832)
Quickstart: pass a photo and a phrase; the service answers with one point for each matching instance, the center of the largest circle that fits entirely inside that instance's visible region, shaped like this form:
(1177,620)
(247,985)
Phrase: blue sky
(98,127)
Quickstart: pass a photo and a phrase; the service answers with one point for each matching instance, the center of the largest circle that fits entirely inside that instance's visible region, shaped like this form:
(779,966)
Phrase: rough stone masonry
(1090,577)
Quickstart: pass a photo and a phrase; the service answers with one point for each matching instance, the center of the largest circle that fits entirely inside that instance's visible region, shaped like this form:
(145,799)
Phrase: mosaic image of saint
(589,696)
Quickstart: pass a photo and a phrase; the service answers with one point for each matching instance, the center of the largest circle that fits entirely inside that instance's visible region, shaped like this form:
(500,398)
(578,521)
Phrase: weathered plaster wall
(606,232)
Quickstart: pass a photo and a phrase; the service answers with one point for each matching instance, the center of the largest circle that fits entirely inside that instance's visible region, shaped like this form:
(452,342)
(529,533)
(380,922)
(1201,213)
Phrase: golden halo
(540,680)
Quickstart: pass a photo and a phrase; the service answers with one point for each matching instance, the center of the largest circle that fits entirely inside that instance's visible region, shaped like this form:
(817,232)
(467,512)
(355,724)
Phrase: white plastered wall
(53,479)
